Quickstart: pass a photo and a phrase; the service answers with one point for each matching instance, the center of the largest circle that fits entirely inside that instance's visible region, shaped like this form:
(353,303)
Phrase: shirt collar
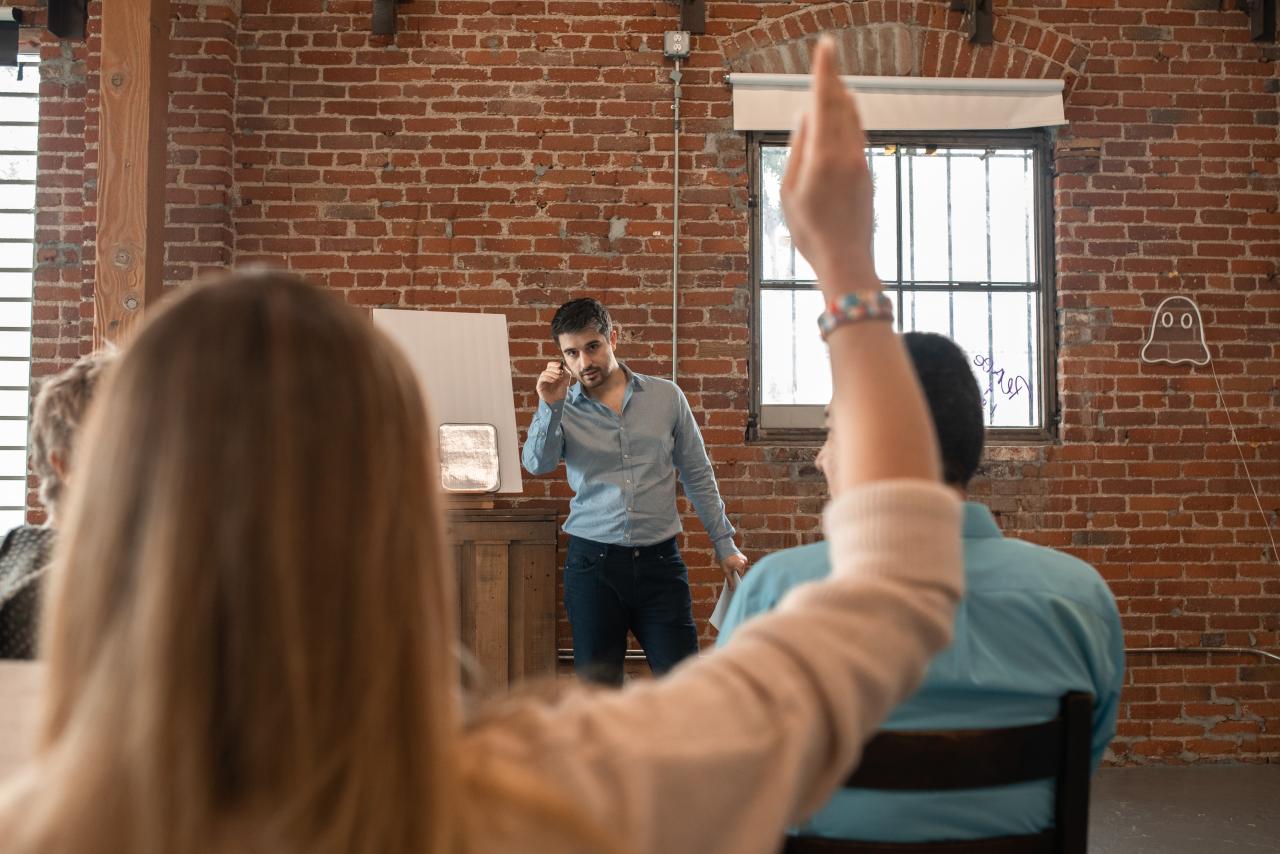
(577,394)
(979,524)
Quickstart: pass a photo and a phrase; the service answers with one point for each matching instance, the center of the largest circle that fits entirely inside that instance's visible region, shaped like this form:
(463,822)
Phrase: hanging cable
(675,219)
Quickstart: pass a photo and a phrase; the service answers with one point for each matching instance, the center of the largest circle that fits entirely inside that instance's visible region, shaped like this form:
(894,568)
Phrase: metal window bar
(991,330)
(913,285)
(951,261)
(1027,230)
(911,215)
(897,209)
(795,353)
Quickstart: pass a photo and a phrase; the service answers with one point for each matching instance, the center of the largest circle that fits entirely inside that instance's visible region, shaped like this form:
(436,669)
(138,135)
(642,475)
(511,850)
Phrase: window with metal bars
(19,118)
(963,244)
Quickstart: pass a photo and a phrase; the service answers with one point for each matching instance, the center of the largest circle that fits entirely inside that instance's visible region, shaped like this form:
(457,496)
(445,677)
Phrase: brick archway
(894,38)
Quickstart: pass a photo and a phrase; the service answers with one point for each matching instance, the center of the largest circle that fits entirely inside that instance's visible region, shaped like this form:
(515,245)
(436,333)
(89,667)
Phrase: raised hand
(553,383)
(826,191)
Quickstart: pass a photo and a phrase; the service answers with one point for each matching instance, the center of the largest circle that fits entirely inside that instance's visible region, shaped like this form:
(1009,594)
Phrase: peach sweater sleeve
(721,755)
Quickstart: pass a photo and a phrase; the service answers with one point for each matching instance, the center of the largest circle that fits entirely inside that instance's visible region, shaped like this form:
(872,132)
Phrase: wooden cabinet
(506,562)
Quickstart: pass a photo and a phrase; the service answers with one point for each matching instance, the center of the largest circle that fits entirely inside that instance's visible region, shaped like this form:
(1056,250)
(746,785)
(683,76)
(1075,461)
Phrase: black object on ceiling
(384,17)
(1262,20)
(10,21)
(979,21)
(67,18)
(693,16)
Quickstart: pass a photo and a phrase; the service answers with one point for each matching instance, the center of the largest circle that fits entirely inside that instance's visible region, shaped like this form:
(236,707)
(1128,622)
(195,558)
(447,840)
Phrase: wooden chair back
(949,760)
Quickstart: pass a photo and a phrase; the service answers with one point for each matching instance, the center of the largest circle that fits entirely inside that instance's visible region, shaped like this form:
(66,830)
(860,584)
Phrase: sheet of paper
(722,604)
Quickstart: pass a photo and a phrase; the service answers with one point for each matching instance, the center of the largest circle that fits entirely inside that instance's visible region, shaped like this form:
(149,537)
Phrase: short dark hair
(579,314)
(954,402)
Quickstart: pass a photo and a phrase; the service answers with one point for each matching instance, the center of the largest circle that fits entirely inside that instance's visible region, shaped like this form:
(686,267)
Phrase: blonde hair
(56,414)
(252,618)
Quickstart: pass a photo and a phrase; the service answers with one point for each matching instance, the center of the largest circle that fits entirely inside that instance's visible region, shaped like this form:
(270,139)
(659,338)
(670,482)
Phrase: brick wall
(203,54)
(505,156)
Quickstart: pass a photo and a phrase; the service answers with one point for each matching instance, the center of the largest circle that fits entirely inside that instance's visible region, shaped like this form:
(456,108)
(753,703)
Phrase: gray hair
(56,416)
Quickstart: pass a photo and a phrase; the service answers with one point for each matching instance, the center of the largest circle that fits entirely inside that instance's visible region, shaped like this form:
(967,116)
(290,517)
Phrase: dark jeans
(609,590)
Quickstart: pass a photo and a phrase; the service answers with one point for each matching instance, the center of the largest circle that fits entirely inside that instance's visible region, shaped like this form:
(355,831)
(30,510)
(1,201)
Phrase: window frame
(800,422)
(30,62)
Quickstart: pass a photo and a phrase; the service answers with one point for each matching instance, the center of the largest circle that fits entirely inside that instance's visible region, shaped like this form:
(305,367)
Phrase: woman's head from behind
(251,618)
(56,416)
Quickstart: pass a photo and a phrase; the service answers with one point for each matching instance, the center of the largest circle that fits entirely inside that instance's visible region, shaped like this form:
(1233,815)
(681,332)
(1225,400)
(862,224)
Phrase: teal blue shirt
(1034,623)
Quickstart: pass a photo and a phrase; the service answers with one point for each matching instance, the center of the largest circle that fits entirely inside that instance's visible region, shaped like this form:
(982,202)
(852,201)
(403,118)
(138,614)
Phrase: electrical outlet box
(675,44)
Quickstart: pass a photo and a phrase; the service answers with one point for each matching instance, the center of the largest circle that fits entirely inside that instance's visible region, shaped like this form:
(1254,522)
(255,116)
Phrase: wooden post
(131,165)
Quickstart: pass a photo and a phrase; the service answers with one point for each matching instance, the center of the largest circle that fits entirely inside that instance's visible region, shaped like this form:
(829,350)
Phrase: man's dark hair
(954,402)
(579,314)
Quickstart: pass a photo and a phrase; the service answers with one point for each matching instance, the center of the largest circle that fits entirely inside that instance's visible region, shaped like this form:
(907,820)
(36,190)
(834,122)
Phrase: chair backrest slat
(974,759)
(1040,843)
(959,759)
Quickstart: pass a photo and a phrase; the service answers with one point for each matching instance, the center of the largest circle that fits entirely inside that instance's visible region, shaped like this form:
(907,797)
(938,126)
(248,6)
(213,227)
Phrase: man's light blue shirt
(622,468)
(1034,623)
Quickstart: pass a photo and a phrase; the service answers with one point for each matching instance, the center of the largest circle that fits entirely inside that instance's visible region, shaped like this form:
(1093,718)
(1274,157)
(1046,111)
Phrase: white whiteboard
(464,366)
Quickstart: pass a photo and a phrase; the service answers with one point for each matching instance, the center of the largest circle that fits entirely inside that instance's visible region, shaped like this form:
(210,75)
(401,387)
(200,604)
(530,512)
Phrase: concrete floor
(1206,809)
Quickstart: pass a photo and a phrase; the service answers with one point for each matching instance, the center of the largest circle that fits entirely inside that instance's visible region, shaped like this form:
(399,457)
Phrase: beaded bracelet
(854,308)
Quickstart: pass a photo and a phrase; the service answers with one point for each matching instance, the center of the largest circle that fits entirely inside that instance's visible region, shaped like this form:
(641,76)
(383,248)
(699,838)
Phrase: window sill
(807,437)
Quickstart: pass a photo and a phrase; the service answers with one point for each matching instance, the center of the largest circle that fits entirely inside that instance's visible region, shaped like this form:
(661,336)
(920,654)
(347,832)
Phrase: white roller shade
(772,102)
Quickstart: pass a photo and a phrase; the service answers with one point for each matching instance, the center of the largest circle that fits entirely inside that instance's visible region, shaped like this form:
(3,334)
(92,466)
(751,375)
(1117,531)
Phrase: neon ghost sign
(1177,334)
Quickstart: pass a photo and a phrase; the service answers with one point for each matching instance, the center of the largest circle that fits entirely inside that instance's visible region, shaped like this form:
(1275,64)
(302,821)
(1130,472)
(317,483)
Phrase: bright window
(961,226)
(19,114)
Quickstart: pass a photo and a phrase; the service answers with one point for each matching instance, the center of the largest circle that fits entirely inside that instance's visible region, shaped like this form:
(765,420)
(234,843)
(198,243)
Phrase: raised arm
(826,196)
(544,445)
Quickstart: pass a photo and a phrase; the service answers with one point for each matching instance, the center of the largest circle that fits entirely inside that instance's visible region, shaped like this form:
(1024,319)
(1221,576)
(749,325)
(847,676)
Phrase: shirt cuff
(549,409)
(726,548)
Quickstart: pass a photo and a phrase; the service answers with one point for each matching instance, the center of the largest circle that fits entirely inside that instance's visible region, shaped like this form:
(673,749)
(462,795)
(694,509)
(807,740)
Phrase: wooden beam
(132,148)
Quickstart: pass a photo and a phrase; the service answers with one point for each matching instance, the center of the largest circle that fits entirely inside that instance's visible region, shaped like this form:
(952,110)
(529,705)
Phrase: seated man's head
(586,338)
(955,403)
(56,416)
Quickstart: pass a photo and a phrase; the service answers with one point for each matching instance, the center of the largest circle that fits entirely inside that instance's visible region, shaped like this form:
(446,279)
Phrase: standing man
(623,437)
(1033,624)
